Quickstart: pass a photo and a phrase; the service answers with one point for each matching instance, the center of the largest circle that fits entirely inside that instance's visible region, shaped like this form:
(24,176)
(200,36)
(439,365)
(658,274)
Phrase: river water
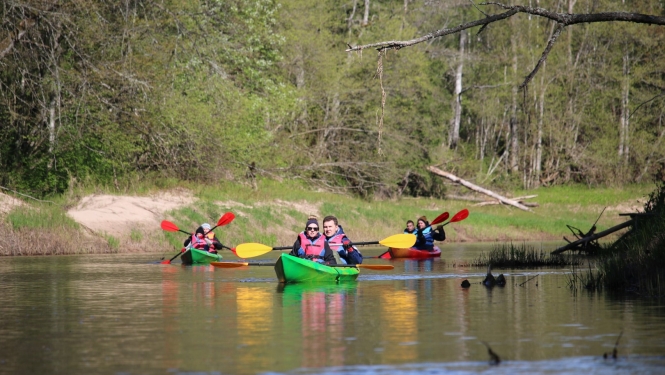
(125,314)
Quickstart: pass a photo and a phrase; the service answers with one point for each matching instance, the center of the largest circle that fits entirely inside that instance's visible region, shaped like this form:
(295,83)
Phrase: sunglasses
(312,228)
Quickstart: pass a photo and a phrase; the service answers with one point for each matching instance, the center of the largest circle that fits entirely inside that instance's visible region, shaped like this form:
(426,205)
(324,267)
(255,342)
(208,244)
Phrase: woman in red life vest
(312,245)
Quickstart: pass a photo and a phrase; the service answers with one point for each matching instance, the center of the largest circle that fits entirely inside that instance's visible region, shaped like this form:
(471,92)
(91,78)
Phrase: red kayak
(411,253)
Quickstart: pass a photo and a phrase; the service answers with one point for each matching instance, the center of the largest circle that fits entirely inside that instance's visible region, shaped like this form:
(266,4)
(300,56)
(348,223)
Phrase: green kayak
(290,269)
(195,256)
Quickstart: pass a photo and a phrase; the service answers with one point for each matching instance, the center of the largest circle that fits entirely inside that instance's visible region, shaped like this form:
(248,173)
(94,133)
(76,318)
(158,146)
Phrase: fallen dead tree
(485,202)
(585,240)
(477,188)
(519,200)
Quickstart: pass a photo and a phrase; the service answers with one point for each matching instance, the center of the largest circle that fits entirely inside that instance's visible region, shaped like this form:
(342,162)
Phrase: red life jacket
(337,240)
(315,248)
(197,243)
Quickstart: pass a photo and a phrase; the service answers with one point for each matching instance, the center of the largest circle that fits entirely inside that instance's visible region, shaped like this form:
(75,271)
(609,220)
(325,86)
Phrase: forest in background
(113,92)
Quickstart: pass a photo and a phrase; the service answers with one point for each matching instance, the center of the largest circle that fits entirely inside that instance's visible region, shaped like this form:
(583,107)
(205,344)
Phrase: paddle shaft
(368,266)
(177,255)
(332,244)
(250,250)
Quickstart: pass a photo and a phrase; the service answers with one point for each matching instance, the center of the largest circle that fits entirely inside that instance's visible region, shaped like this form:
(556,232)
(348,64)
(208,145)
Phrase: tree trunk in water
(457,102)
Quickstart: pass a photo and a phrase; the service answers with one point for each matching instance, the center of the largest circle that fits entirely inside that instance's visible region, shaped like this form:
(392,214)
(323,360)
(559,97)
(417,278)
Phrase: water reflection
(254,324)
(322,310)
(399,309)
(119,314)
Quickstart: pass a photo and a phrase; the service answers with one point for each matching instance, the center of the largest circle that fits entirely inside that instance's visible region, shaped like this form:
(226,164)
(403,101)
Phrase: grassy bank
(274,212)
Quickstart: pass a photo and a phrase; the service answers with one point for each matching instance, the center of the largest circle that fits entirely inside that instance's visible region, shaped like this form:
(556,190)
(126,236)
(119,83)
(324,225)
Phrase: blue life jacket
(424,239)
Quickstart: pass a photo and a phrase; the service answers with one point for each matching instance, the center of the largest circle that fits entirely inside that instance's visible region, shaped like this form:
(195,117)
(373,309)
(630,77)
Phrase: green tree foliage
(100,91)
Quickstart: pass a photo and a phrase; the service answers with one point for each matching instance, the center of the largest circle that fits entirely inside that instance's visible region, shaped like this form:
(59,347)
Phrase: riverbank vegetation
(274,212)
(510,255)
(635,263)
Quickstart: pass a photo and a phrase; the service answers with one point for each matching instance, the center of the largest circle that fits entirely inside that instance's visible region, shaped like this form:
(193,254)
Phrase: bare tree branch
(562,19)
(395,44)
(543,57)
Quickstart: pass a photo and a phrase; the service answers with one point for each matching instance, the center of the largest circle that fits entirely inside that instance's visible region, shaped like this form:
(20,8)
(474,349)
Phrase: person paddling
(410,227)
(204,239)
(335,235)
(425,236)
(313,245)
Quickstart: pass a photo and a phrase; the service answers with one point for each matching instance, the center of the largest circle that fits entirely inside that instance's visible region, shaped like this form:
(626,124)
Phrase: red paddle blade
(165,262)
(169,226)
(386,255)
(440,219)
(460,216)
(226,219)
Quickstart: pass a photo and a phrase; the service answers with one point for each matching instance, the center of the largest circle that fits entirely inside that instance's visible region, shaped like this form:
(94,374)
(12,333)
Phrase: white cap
(205,226)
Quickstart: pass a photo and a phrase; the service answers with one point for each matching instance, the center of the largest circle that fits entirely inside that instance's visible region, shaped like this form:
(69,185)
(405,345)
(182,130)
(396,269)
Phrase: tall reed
(522,256)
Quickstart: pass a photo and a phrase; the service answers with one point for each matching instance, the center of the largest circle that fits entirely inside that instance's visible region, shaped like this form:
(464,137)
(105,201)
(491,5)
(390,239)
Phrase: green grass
(41,216)
(136,235)
(113,242)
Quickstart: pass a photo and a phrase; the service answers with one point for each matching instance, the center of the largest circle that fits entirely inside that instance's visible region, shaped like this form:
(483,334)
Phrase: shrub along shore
(636,262)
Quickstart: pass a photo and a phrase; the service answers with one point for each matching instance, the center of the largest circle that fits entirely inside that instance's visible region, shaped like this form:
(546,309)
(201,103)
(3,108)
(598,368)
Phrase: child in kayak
(204,239)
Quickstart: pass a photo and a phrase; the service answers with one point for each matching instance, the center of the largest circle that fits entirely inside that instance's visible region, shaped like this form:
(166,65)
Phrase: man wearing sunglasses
(313,245)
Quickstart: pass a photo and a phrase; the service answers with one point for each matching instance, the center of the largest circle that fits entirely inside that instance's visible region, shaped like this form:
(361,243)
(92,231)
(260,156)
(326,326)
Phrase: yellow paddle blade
(229,264)
(251,249)
(399,241)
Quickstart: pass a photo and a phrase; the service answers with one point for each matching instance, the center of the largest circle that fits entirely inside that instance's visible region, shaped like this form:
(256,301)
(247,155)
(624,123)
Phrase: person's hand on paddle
(347,246)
